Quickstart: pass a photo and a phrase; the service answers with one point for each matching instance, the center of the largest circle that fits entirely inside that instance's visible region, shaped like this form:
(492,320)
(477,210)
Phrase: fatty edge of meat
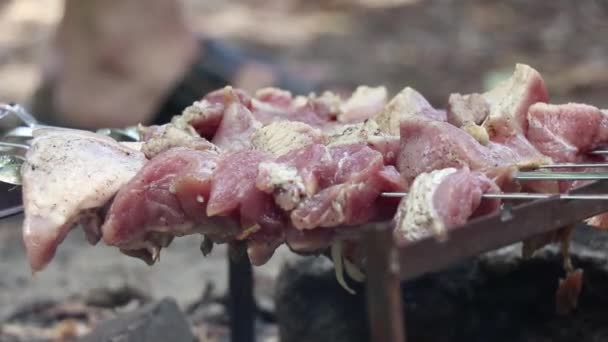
(416,215)
(364,103)
(287,185)
(282,137)
(66,173)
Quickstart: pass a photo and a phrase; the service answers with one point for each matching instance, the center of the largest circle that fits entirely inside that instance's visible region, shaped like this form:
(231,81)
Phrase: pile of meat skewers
(271,168)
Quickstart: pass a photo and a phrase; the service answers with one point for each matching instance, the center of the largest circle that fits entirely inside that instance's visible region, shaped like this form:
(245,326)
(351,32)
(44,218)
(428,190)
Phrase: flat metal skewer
(571,165)
(598,152)
(522,195)
(13,145)
(8,212)
(565,176)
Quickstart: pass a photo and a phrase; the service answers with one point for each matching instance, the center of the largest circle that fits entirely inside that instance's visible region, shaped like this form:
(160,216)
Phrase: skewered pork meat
(510,100)
(565,132)
(443,199)
(363,104)
(228,117)
(467,109)
(428,145)
(348,194)
(68,177)
(281,137)
(367,132)
(503,110)
(162,138)
(321,186)
(468,112)
(408,103)
(165,199)
(274,168)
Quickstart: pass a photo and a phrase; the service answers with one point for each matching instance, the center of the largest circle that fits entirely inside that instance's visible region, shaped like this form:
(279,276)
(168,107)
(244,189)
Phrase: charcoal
(114,297)
(497,296)
(155,322)
(312,306)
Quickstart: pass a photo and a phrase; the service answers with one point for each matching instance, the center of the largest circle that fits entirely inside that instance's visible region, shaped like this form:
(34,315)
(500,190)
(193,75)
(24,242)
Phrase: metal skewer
(572,165)
(522,195)
(598,152)
(566,176)
(13,145)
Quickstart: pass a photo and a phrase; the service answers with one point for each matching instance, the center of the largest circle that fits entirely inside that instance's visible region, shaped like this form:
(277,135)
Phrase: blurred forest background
(437,47)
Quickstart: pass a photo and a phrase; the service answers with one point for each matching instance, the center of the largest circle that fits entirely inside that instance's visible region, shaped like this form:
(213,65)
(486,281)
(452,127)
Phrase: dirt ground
(437,47)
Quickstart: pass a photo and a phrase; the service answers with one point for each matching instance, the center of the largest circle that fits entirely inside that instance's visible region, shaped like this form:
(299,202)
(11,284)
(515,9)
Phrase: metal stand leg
(383,288)
(241,302)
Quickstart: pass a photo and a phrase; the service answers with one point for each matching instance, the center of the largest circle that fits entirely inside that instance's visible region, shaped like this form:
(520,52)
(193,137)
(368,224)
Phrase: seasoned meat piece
(162,138)
(283,181)
(67,176)
(167,198)
(205,116)
(351,192)
(510,100)
(202,116)
(369,133)
(442,199)
(363,104)
(428,145)
(566,132)
(282,137)
(468,112)
(296,175)
(237,126)
(341,204)
(463,109)
(408,103)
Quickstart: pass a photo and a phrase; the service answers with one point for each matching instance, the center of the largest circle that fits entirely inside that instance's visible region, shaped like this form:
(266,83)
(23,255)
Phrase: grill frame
(389,262)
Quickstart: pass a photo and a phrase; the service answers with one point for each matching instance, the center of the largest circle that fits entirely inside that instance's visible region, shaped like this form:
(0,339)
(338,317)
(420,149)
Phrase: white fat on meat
(67,175)
(367,132)
(408,103)
(417,217)
(509,101)
(502,111)
(442,199)
(202,116)
(330,100)
(162,138)
(284,182)
(470,108)
(196,111)
(134,145)
(282,137)
(468,112)
(361,132)
(363,104)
